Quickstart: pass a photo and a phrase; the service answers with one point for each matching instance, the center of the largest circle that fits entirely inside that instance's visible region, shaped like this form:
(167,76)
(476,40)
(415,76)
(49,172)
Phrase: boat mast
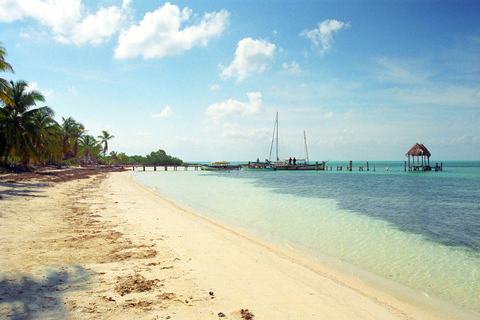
(306,149)
(277,137)
(275,131)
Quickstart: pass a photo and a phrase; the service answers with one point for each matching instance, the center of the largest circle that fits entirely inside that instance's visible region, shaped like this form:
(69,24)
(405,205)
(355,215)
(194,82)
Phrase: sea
(418,229)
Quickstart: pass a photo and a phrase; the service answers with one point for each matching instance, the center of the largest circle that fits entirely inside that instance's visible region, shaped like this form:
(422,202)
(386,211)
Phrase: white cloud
(59,15)
(33,86)
(292,68)
(126,4)
(402,72)
(159,33)
(328,115)
(165,113)
(323,35)
(98,28)
(214,87)
(237,108)
(251,56)
(64,18)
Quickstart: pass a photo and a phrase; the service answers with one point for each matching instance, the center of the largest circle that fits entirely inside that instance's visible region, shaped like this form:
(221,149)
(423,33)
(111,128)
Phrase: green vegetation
(158,158)
(29,135)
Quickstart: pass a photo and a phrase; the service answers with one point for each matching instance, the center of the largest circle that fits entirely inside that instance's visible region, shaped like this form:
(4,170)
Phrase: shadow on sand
(23,297)
(21,189)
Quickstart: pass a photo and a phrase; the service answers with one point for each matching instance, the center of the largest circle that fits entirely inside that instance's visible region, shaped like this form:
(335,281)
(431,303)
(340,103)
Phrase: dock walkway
(165,167)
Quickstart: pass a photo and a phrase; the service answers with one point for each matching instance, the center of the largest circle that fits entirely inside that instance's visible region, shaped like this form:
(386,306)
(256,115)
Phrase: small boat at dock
(259,166)
(220,166)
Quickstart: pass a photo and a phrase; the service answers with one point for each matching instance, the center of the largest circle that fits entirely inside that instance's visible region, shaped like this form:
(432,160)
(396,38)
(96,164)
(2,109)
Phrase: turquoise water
(420,229)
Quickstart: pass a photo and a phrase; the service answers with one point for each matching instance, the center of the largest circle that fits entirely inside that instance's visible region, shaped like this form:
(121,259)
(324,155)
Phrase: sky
(203,80)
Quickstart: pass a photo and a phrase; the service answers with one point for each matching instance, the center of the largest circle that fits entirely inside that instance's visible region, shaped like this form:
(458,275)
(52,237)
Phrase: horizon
(204,80)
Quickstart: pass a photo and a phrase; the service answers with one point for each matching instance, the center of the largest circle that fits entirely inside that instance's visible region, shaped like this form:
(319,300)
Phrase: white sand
(84,249)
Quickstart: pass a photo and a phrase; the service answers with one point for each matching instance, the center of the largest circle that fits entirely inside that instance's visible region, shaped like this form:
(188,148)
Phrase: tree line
(30,134)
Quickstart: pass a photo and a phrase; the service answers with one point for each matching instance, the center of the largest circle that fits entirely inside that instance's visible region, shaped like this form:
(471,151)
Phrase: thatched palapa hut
(422,156)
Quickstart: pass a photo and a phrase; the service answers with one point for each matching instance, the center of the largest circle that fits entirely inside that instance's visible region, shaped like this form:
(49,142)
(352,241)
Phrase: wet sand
(90,244)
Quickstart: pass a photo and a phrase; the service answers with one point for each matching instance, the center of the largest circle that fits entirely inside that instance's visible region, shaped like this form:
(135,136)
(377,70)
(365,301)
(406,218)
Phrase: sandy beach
(96,245)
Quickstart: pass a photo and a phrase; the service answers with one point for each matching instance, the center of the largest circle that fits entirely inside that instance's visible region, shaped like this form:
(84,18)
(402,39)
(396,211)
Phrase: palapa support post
(154,168)
(143,168)
(351,163)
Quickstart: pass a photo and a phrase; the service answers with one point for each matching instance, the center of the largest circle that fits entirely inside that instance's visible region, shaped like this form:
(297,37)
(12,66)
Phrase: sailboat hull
(317,167)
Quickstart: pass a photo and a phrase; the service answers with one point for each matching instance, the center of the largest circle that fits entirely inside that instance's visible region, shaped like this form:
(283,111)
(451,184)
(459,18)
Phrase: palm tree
(18,125)
(89,148)
(104,137)
(45,143)
(4,67)
(70,133)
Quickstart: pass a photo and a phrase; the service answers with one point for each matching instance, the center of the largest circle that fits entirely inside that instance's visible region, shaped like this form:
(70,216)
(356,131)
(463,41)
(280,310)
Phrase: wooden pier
(165,167)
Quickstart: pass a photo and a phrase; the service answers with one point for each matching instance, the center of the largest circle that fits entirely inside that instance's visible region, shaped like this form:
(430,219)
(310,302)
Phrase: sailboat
(267,165)
(292,164)
(284,164)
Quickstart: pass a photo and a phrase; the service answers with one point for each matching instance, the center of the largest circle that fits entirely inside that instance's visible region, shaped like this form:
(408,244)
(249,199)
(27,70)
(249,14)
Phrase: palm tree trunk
(5,161)
(60,160)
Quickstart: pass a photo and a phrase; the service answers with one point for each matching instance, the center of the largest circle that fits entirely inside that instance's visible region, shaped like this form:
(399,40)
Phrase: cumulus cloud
(159,33)
(65,19)
(59,15)
(165,113)
(322,37)
(98,28)
(237,108)
(251,56)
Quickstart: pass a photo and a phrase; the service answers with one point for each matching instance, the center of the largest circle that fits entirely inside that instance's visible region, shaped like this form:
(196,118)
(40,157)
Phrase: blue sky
(203,80)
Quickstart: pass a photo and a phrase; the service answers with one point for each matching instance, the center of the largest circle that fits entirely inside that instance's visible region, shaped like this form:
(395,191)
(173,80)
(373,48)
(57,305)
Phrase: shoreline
(111,248)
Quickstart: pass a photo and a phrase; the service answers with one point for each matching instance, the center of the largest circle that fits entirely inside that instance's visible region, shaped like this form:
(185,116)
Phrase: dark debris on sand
(58,175)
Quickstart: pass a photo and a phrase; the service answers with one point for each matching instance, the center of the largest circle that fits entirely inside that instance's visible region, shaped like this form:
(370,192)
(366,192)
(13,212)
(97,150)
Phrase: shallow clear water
(421,229)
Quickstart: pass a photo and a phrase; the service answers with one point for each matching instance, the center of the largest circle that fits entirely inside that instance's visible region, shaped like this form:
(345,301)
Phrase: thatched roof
(418,150)
(69,155)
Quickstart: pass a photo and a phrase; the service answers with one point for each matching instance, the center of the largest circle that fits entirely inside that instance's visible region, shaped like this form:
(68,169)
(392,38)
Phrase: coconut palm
(89,148)
(45,142)
(18,125)
(70,133)
(4,67)
(104,137)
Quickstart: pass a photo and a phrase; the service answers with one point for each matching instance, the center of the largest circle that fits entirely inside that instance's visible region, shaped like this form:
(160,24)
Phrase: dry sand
(104,247)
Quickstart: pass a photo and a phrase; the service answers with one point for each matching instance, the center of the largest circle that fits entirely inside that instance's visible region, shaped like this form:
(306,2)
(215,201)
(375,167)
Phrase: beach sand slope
(105,247)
